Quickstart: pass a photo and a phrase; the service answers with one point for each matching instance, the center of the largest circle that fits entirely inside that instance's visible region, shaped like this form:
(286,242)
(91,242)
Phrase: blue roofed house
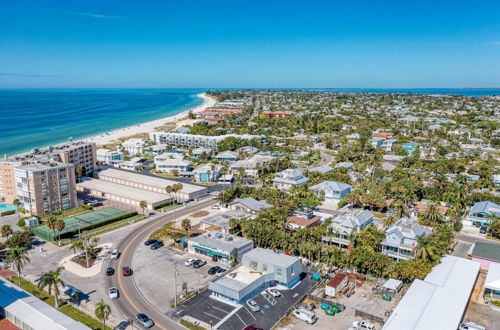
(259,269)
(345,224)
(401,238)
(332,191)
(410,147)
(481,212)
(289,178)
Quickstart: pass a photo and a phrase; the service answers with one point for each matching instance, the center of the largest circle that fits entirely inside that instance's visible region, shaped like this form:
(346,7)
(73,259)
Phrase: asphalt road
(131,301)
(474,239)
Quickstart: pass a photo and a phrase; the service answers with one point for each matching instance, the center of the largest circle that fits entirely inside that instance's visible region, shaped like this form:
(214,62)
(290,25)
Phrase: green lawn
(70,311)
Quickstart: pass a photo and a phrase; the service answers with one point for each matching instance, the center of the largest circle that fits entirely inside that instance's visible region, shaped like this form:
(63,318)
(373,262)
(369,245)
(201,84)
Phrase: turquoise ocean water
(38,118)
(31,118)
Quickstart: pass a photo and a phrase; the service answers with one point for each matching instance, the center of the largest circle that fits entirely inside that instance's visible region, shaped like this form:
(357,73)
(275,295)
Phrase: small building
(289,178)
(218,246)
(331,191)
(392,285)
(221,221)
(250,165)
(173,164)
(109,157)
(32,222)
(207,172)
(410,147)
(492,283)
(227,156)
(199,153)
(345,224)
(486,254)
(388,144)
(133,146)
(323,169)
(157,149)
(401,238)
(481,212)
(134,164)
(276,114)
(259,269)
(296,222)
(337,283)
(248,204)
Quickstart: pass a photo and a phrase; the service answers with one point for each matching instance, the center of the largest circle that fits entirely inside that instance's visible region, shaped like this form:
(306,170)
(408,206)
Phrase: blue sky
(251,43)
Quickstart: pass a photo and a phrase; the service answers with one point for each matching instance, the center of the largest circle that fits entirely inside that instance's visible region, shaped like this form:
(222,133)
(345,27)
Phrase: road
(474,239)
(131,301)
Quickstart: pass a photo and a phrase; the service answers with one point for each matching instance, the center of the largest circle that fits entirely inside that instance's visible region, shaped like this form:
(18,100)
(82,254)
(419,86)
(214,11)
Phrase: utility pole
(175,284)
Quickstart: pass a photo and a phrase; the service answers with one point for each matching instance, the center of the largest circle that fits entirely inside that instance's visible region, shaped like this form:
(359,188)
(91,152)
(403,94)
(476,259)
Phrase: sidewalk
(80,271)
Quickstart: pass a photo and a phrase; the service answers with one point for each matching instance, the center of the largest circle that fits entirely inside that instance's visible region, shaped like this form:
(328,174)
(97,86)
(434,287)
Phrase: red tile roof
(383,134)
(334,282)
(303,222)
(7,325)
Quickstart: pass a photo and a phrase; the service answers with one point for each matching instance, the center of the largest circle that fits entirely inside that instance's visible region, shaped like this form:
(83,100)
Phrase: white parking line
(215,317)
(241,320)
(250,313)
(220,309)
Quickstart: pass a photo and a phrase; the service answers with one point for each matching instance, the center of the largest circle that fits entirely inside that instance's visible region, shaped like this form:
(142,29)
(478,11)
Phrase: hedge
(9,212)
(99,224)
(159,206)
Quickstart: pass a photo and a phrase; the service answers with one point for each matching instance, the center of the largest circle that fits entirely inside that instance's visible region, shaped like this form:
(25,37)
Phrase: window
(264,268)
(279,272)
(253,265)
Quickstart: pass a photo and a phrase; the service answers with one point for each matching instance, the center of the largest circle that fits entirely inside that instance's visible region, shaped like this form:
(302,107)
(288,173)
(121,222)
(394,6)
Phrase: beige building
(8,181)
(44,189)
(150,183)
(80,154)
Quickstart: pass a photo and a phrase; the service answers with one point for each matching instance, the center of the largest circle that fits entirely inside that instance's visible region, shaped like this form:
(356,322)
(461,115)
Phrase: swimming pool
(7,207)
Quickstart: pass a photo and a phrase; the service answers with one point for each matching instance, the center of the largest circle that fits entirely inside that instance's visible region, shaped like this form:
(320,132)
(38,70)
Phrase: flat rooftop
(116,189)
(220,241)
(242,278)
(149,180)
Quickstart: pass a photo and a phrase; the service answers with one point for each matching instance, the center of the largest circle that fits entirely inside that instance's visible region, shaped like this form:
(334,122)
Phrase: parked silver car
(253,305)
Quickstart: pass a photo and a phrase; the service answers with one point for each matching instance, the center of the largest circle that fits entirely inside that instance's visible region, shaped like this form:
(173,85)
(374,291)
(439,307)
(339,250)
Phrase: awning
(210,252)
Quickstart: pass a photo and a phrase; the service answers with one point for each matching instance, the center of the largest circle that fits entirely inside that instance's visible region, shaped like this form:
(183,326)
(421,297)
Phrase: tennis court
(83,221)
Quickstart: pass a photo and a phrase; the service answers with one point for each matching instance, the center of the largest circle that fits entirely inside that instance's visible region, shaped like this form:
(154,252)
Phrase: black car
(122,326)
(110,271)
(199,263)
(156,245)
(150,241)
(483,229)
(213,270)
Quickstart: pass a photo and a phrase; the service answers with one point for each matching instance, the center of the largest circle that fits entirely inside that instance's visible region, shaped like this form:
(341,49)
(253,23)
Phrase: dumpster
(324,306)
(315,277)
(330,312)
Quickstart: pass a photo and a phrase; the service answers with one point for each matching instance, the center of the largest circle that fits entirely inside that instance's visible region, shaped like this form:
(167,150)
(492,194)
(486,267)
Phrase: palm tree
(77,246)
(176,188)
(59,226)
(5,230)
(102,312)
(186,225)
(19,257)
(52,281)
(169,190)
(79,172)
(17,203)
(143,205)
(425,250)
(51,223)
(432,214)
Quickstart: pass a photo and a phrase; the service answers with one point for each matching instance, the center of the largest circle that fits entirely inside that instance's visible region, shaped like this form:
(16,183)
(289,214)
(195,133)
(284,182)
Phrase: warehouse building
(150,183)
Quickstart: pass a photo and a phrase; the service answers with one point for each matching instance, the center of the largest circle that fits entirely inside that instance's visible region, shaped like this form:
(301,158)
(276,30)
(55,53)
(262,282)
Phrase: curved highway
(131,300)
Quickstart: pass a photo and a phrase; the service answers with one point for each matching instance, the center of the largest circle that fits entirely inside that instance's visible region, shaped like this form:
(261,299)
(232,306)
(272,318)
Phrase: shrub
(86,207)
(496,303)
(342,203)
(9,212)
(458,226)
(21,222)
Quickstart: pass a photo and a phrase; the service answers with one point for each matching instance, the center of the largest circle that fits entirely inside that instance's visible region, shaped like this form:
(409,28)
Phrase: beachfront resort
(265,208)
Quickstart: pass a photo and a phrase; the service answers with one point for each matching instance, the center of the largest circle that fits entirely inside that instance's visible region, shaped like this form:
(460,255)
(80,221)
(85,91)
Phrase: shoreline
(146,127)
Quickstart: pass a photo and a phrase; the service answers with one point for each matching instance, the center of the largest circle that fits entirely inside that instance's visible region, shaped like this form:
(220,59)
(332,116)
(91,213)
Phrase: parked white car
(189,262)
(305,315)
(113,293)
(253,305)
(363,325)
(471,326)
(115,254)
(273,292)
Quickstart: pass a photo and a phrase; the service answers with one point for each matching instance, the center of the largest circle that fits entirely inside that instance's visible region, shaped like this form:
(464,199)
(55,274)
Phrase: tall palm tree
(102,312)
(59,226)
(143,205)
(168,190)
(18,256)
(432,214)
(17,203)
(425,249)
(51,223)
(52,281)
(186,225)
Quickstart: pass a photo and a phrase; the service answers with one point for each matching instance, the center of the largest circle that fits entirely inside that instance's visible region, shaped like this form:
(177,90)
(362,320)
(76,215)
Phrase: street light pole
(175,284)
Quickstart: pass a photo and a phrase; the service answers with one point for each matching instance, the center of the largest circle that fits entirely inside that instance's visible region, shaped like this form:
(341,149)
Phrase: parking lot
(227,317)
(154,275)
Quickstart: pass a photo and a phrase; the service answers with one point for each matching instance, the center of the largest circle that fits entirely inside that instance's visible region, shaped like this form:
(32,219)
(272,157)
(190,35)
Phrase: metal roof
(439,301)
(488,251)
(270,257)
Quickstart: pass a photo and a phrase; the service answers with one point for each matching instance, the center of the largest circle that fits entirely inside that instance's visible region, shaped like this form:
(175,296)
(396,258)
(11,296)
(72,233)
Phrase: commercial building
(119,193)
(150,183)
(44,189)
(260,268)
(110,157)
(219,246)
(30,313)
(440,300)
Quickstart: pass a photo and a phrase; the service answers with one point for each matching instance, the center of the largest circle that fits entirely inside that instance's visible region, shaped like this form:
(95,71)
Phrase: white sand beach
(149,126)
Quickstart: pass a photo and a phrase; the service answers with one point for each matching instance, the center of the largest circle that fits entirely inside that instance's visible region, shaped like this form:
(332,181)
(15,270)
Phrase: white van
(471,326)
(305,315)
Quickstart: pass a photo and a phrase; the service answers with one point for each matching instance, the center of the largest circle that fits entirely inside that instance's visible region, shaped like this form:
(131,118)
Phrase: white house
(288,178)
(109,157)
(332,191)
(133,146)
